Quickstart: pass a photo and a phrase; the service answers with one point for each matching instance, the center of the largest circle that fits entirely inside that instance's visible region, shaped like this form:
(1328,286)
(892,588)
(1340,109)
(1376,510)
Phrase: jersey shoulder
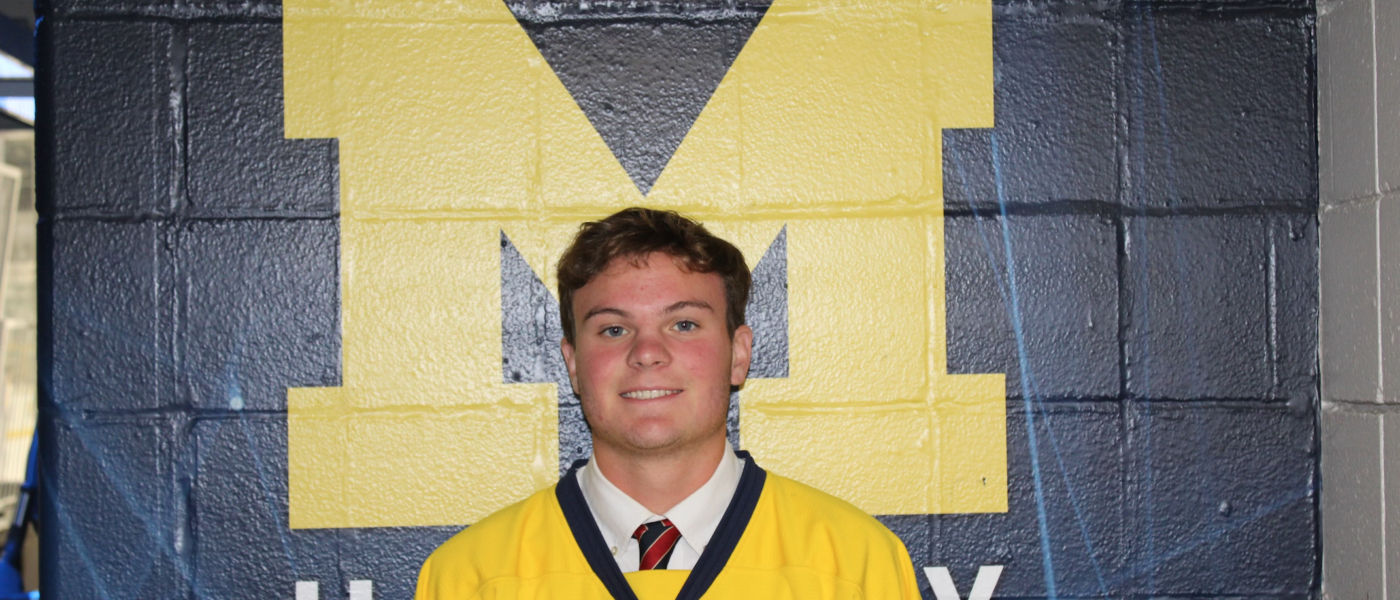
(798,528)
(813,509)
(522,541)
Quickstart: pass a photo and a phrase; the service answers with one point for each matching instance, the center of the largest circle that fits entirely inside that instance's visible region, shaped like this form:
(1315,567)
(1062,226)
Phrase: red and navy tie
(657,539)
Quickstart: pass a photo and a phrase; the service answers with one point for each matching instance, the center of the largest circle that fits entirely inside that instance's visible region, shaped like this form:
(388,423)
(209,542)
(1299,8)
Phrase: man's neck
(660,481)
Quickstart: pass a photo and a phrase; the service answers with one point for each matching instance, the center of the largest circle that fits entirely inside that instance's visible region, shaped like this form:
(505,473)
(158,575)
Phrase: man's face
(652,361)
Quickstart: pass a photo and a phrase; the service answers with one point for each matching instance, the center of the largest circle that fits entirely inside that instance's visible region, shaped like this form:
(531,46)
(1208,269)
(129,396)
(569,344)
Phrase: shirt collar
(697,516)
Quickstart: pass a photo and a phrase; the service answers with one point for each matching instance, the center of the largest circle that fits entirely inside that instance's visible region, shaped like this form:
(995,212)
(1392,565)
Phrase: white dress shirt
(697,517)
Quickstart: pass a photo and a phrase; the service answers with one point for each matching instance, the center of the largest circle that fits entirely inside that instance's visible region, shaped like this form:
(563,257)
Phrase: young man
(654,338)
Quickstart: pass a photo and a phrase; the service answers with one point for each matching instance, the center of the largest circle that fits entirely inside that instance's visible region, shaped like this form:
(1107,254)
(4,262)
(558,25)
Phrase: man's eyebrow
(689,304)
(606,310)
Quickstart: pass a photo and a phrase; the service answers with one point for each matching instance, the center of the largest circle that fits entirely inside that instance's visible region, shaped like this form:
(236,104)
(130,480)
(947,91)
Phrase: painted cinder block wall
(1359,115)
(1157,206)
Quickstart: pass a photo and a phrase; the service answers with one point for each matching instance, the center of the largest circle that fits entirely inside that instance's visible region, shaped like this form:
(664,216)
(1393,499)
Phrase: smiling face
(652,361)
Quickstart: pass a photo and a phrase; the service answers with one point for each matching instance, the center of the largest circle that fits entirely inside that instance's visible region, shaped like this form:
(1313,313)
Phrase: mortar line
(1376,176)
(1385,575)
(1375,103)
(1380,305)
(1271,297)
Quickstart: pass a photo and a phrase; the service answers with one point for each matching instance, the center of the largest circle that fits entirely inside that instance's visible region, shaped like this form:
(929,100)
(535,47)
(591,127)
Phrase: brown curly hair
(633,234)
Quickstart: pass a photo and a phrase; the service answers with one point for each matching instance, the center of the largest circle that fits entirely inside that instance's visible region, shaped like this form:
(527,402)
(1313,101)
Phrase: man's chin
(653,442)
(658,435)
(649,442)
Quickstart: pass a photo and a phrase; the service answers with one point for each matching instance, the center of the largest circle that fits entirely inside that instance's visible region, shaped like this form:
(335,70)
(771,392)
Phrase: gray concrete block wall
(1352,502)
(1159,164)
(1359,133)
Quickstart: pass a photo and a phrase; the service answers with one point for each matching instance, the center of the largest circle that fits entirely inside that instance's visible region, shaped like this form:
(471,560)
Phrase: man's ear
(567,350)
(742,353)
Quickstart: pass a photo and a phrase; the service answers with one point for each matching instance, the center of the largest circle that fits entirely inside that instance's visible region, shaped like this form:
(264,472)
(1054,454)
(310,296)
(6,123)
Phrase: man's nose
(648,350)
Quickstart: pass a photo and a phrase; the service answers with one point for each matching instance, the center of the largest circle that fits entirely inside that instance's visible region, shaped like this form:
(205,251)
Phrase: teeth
(649,394)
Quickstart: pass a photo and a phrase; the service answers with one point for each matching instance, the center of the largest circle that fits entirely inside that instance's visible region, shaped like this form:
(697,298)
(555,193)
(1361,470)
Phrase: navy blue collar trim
(731,528)
(712,560)
(587,535)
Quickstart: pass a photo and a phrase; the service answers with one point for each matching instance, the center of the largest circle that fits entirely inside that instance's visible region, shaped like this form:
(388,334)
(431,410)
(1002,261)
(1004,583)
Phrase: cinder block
(1219,111)
(71,8)
(1055,118)
(1081,469)
(1347,97)
(1390,453)
(242,546)
(1203,320)
(388,556)
(1221,499)
(1387,32)
(261,311)
(1388,243)
(236,8)
(239,161)
(1350,342)
(106,320)
(111,137)
(1272,5)
(1067,296)
(1352,506)
(108,484)
(1293,298)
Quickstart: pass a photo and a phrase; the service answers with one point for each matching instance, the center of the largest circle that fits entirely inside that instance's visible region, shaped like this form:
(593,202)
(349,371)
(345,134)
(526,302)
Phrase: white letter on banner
(361,589)
(945,589)
(308,590)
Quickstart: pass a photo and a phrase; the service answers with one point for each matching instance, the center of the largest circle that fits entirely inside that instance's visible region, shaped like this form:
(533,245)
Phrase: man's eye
(686,326)
(614,331)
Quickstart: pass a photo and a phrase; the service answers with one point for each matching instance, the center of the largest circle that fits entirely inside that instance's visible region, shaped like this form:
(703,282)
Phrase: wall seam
(1376,182)
(1380,301)
(1375,102)
(1385,576)
(1328,204)
(1346,407)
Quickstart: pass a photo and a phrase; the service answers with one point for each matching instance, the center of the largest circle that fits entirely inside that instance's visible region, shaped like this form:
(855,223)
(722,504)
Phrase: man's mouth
(648,394)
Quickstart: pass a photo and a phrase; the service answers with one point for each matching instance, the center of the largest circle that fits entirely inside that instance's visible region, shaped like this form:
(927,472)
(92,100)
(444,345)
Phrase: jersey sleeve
(891,576)
(908,580)
(425,590)
(437,580)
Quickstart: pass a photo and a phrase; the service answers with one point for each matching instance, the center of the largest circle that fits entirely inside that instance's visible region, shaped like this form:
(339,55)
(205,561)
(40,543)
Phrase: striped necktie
(657,539)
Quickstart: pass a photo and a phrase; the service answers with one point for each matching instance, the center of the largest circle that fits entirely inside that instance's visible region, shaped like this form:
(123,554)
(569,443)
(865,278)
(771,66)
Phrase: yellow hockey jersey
(778,539)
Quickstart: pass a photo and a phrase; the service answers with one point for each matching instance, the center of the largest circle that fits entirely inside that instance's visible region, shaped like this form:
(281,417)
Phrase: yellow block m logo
(466,160)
